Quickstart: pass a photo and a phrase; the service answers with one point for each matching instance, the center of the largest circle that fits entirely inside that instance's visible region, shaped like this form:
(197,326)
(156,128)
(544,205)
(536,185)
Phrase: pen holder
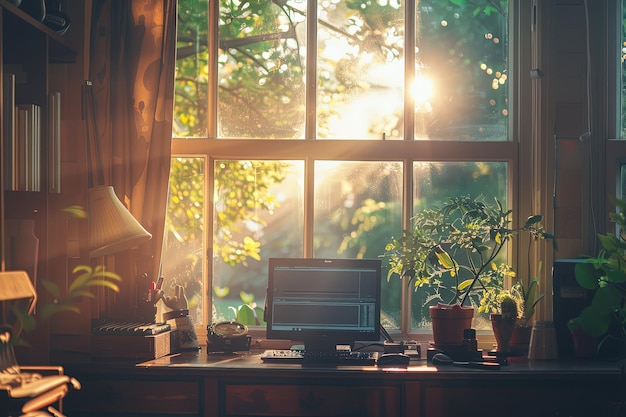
(146,312)
(187,337)
(543,343)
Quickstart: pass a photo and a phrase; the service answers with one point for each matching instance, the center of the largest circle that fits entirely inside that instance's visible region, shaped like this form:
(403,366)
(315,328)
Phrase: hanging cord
(583,138)
(95,171)
(586,135)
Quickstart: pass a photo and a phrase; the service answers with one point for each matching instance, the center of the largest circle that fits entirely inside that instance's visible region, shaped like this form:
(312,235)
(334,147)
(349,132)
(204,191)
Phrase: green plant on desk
(461,240)
(605,275)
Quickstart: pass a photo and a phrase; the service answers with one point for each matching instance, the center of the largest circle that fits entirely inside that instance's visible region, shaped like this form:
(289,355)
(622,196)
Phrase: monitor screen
(323,302)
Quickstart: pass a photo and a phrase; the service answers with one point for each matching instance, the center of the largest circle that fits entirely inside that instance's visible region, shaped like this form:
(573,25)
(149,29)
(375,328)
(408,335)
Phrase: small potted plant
(526,293)
(605,275)
(503,323)
(456,248)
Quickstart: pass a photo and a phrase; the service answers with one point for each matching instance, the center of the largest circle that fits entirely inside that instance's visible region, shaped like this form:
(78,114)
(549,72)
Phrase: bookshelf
(41,73)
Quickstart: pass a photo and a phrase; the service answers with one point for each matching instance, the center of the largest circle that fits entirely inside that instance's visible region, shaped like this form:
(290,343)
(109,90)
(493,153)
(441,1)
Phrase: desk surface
(225,385)
(220,363)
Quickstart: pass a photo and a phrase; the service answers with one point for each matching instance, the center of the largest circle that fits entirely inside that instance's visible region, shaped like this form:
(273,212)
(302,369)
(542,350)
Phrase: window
(621,82)
(617,129)
(300,130)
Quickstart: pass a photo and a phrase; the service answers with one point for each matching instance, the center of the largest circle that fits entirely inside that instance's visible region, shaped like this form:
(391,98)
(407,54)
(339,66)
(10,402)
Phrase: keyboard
(338,358)
(130,328)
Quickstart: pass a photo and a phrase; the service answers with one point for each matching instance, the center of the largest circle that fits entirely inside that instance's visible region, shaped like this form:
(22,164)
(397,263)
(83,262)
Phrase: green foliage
(508,307)
(186,193)
(84,283)
(261,64)
(261,71)
(525,291)
(248,313)
(76,211)
(461,239)
(243,190)
(605,275)
(88,278)
(190,99)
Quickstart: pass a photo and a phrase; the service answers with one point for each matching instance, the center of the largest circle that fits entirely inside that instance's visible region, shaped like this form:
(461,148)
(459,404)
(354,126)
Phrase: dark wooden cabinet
(127,395)
(521,397)
(236,386)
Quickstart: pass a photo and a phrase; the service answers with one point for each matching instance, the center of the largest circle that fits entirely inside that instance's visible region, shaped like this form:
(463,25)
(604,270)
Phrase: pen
(152,289)
(491,365)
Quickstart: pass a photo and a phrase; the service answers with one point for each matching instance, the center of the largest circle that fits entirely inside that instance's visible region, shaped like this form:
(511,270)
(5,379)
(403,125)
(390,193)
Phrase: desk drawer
(281,400)
(135,396)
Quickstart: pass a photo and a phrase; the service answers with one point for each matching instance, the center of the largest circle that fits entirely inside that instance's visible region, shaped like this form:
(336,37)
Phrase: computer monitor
(323,302)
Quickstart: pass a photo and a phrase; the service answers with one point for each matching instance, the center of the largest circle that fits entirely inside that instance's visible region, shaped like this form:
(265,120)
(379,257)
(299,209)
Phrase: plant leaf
(245,315)
(51,287)
(444,259)
(586,275)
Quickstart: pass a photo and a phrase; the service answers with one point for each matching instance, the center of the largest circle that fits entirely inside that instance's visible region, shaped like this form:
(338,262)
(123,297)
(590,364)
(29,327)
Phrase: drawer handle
(310,402)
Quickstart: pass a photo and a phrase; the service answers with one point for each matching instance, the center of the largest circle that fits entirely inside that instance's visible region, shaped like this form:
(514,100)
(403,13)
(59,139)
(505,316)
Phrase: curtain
(132,64)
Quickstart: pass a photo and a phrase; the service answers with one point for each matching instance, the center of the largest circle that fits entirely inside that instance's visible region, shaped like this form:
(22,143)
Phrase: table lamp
(112,228)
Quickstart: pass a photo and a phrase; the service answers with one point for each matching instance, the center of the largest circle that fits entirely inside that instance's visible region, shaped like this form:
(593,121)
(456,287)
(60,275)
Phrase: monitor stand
(325,345)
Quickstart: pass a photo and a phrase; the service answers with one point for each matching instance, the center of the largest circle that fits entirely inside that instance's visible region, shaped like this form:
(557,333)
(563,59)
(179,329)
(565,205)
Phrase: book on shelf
(28,133)
(54,142)
(21,140)
(8,132)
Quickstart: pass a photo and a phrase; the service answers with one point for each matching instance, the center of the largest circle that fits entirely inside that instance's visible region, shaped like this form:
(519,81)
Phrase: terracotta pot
(449,321)
(502,330)
(520,339)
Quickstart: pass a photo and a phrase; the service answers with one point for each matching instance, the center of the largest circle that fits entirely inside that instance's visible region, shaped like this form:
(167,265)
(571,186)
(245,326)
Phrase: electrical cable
(586,135)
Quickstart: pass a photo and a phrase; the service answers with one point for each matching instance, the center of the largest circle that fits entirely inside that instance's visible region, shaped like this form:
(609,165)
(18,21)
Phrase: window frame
(615,156)
(523,122)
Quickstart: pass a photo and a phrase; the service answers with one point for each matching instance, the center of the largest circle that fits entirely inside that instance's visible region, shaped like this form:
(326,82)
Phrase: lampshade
(17,293)
(111,226)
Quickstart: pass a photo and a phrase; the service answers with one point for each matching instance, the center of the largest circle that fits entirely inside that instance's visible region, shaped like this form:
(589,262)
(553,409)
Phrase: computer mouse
(396,359)
(441,359)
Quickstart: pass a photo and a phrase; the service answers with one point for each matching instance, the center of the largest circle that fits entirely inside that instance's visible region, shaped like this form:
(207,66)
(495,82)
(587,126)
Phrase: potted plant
(605,275)
(525,292)
(503,323)
(455,248)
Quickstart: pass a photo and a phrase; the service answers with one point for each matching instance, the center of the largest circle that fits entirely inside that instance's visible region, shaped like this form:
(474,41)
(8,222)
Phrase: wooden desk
(197,384)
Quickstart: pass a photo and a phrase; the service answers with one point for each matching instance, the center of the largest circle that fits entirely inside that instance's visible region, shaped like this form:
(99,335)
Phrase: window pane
(192,69)
(183,257)
(622,182)
(461,72)
(622,79)
(259,212)
(434,183)
(360,69)
(261,69)
(358,207)
(460,79)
